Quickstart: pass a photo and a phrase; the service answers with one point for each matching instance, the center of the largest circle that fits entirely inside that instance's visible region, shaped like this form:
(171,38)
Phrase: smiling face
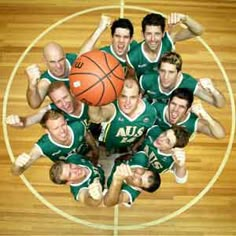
(120,41)
(177,110)
(166,140)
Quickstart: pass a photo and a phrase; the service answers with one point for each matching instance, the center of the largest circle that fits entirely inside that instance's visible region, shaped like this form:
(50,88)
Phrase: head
(61,97)
(147,180)
(130,97)
(122,33)
(55,59)
(55,125)
(169,68)
(177,136)
(153,29)
(67,173)
(179,105)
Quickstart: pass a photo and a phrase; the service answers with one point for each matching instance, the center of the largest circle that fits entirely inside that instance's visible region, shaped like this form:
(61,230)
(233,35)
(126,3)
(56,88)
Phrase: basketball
(96,78)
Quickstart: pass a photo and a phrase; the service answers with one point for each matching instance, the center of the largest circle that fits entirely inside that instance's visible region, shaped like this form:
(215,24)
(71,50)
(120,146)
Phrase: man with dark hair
(179,111)
(129,178)
(165,151)
(144,57)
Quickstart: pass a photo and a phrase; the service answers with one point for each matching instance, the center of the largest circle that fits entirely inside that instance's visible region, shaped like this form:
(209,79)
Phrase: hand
(179,156)
(22,160)
(104,22)
(95,190)
(122,171)
(207,84)
(175,18)
(200,111)
(33,73)
(14,121)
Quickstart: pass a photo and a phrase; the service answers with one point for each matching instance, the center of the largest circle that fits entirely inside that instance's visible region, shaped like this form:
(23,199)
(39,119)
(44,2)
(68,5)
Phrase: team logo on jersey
(120,119)
(146,120)
(151,92)
(142,65)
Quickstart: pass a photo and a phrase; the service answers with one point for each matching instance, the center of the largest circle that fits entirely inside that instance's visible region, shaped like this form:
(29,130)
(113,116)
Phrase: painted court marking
(116,227)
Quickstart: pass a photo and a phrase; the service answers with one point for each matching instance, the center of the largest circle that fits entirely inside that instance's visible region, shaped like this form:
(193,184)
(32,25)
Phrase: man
(126,120)
(179,111)
(122,40)
(60,141)
(145,56)
(128,179)
(85,180)
(165,151)
(159,86)
(58,64)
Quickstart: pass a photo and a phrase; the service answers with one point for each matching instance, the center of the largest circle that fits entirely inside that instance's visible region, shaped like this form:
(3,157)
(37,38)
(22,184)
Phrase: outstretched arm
(90,43)
(24,161)
(207,92)
(192,27)
(206,124)
(37,89)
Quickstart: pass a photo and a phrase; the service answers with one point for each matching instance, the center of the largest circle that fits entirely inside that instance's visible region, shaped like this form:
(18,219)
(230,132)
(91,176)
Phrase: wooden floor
(32,205)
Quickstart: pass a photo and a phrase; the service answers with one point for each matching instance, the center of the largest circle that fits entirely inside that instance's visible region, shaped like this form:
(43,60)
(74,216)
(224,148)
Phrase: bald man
(58,64)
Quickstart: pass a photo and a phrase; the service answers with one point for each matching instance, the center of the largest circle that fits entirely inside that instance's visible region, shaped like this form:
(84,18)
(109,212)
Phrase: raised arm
(192,27)
(90,43)
(207,92)
(24,161)
(37,89)
(114,195)
(206,124)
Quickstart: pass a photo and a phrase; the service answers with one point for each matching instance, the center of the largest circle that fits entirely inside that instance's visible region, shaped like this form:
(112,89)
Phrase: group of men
(145,129)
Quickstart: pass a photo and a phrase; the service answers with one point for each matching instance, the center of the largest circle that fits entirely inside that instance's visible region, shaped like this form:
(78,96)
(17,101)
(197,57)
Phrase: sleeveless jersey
(140,160)
(55,151)
(122,131)
(190,122)
(47,75)
(140,62)
(109,49)
(94,172)
(150,84)
(158,160)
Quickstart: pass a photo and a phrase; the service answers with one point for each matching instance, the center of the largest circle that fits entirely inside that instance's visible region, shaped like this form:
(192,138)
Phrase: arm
(114,195)
(89,44)
(93,146)
(26,121)
(99,114)
(208,93)
(192,29)
(37,89)
(206,124)
(93,195)
(24,161)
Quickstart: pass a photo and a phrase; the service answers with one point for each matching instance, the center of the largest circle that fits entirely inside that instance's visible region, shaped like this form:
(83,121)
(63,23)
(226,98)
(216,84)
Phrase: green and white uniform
(150,84)
(94,172)
(190,122)
(122,131)
(55,151)
(160,161)
(47,75)
(140,62)
(140,160)
(83,116)
(109,49)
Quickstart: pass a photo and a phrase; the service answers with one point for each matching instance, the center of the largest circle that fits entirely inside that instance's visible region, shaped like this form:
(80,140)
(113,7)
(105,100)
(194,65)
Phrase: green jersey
(139,61)
(158,160)
(140,160)
(55,151)
(122,131)
(150,84)
(94,172)
(109,49)
(190,122)
(47,75)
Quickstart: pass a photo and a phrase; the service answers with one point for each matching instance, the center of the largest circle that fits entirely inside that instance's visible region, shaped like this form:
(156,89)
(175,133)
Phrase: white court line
(103,226)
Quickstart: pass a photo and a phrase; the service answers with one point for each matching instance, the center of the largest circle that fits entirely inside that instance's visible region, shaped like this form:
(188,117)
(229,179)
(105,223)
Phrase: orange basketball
(96,78)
